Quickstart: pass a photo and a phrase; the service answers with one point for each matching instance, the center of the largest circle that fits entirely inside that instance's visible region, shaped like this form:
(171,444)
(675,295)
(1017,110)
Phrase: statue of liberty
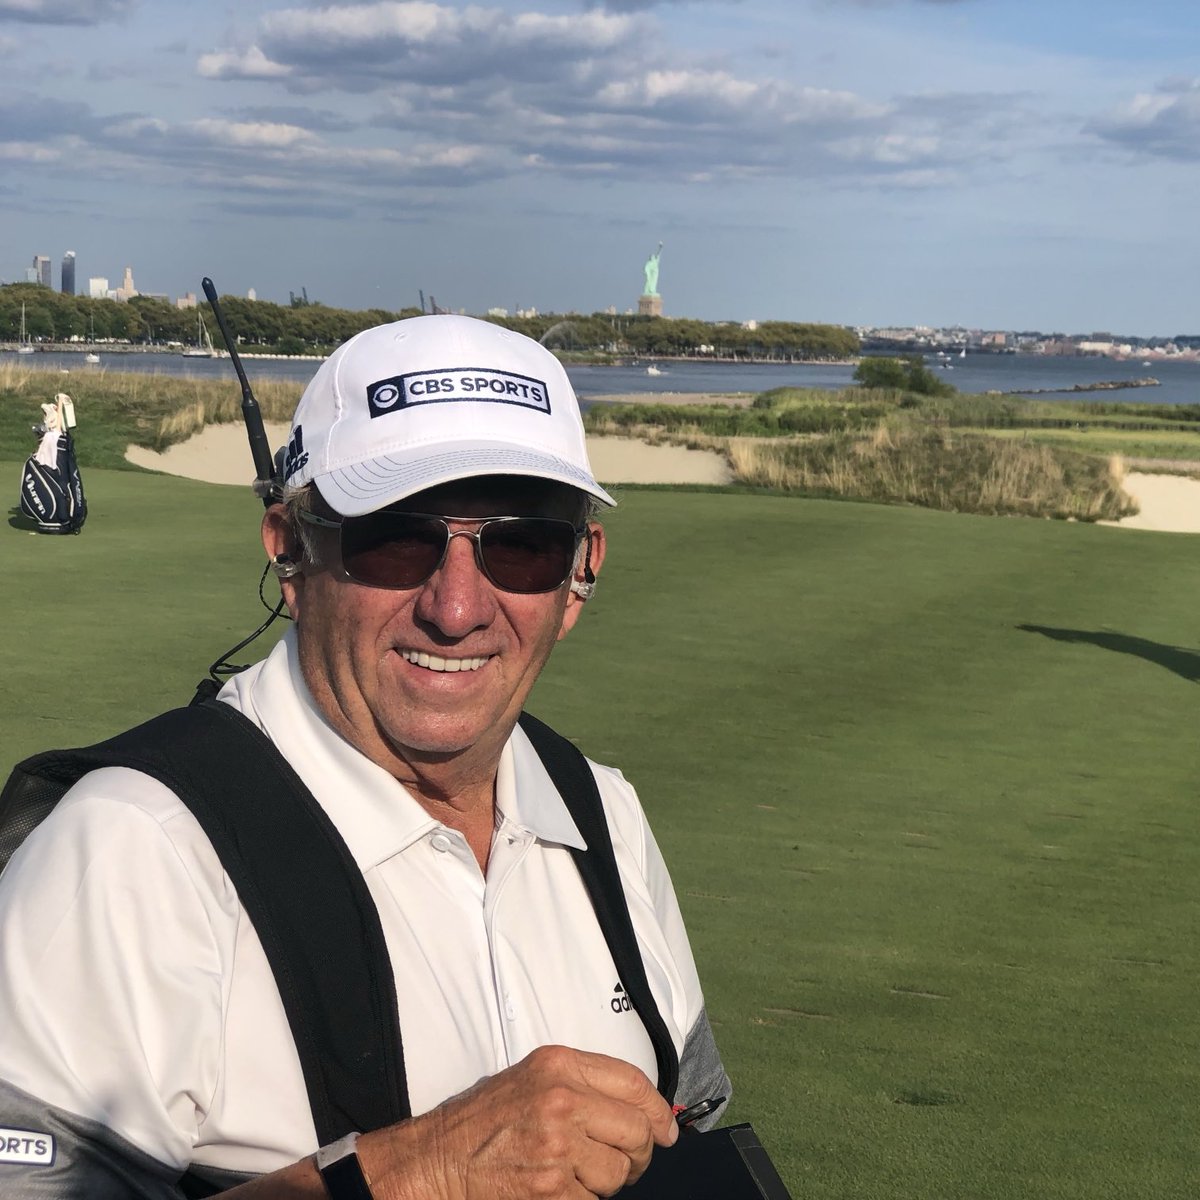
(651,269)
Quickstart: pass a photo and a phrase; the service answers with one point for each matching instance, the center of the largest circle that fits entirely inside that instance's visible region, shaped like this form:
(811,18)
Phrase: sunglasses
(391,549)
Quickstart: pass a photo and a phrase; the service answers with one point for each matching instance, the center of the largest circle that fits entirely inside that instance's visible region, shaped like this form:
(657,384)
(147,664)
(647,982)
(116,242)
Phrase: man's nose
(458,597)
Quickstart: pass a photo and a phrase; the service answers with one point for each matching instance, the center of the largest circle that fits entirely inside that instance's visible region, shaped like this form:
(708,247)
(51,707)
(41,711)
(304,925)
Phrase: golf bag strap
(573,778)
(302,890)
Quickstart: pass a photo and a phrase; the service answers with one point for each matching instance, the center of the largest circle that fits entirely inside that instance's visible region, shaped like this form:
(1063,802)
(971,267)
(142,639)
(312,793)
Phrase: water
(1180,381)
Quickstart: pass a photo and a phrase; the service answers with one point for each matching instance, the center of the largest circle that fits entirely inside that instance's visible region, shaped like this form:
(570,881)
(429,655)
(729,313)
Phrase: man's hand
(560,1124)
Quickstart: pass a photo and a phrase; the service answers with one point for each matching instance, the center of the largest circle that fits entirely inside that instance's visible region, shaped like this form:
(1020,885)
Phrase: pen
(685,1117)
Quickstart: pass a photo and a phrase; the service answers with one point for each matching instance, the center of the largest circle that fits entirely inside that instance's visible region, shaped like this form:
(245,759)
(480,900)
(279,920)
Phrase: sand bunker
(220,454)
(1169,503)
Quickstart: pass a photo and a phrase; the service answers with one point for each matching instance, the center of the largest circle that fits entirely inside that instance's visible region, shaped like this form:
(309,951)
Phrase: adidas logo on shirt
(620,1001)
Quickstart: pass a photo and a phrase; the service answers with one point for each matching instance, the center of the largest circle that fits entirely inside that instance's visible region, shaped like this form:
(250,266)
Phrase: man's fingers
(603,1171)
(624,1082)
(623,1126)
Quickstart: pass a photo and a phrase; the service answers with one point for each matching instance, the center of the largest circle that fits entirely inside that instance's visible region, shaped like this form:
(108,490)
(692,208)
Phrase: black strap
(573,778)
(308,901)
(304,895)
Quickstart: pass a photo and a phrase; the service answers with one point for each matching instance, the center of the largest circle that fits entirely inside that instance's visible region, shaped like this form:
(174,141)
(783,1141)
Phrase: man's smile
(435,662)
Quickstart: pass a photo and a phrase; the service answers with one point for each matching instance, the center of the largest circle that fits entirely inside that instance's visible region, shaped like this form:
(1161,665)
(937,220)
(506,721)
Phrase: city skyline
(996,165)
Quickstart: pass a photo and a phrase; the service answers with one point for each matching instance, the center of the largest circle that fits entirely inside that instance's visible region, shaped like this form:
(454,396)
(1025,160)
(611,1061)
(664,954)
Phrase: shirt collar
(375,815)
(527,798)
(373,812)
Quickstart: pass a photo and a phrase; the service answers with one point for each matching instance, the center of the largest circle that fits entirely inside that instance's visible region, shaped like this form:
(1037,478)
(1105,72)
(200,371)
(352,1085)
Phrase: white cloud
(1160,124)
(64,12)
(28,152)
(250,63)
(243,135)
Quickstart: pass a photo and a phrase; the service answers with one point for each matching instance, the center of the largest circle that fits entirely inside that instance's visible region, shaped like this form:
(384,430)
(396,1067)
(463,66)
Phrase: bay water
(1178,380)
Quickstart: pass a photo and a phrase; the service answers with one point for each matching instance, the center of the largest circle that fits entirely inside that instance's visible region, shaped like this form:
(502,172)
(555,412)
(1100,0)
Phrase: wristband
(341,1171)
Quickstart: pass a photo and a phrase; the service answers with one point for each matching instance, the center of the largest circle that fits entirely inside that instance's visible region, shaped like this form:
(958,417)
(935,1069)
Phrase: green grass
(926,783)
(1129,443)
(117,409)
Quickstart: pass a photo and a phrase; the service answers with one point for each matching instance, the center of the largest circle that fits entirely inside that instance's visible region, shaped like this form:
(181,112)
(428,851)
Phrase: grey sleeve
(701,1075)
(47,1153)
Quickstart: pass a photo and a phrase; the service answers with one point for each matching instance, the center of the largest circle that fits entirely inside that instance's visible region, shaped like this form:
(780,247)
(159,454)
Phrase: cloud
(28,152)
(886,3)
(421,95)
(42,118)
(320,120)
(65,12)
(643,5)
(361,47)
(250,63)
(1160,124)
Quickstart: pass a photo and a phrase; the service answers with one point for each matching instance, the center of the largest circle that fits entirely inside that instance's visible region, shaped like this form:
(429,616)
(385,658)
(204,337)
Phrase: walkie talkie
(267,483)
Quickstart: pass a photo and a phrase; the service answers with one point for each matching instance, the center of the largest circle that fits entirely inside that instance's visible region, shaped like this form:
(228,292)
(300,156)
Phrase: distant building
(41,265)
(98,288)
(497,312)
(252,294)
(68,273)
(187,301)
(127,290)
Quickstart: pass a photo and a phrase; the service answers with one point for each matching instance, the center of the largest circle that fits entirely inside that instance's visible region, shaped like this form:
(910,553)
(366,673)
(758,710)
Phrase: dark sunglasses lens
(392,550)
(528,554)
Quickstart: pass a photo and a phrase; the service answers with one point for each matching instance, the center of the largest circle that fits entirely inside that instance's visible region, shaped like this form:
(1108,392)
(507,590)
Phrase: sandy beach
(219,454)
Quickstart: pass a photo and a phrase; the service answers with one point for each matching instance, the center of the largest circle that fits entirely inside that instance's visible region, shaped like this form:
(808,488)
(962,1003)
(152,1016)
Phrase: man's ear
(583,582)
(285,557)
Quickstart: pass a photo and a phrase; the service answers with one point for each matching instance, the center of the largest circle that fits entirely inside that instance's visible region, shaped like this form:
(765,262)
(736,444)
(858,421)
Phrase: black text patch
(448,386)
(26,1146)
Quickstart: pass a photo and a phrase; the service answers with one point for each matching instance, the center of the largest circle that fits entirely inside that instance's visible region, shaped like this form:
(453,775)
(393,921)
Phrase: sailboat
(91,356)
(963,352)
(24,346)
(203,347)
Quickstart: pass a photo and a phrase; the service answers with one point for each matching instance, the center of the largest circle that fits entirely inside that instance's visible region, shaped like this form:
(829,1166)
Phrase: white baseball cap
(407,406)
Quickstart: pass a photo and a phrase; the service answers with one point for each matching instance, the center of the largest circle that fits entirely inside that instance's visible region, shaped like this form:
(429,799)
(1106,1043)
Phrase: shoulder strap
(308,901)
(304,894)
(573,778)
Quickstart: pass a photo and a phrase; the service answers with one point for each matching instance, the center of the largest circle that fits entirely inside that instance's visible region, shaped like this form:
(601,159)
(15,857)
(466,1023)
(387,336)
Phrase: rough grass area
(942,469)
(963,453)
(926,784)
(1129,443)
(116,410)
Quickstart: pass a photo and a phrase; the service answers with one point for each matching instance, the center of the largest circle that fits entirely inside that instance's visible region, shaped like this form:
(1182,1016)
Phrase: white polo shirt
(135,993)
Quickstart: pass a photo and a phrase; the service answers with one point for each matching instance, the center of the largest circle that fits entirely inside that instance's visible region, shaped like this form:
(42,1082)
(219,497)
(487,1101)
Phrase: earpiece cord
(223,669)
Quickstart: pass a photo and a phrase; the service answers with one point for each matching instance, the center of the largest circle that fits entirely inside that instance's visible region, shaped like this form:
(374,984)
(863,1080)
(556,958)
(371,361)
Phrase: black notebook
(723,1164)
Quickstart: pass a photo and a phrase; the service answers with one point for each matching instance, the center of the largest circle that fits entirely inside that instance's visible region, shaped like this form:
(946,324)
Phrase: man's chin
(441,741)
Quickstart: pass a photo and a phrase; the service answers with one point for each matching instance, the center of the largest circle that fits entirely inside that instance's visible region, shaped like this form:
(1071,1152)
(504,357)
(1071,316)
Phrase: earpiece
(586,589)
(286,567)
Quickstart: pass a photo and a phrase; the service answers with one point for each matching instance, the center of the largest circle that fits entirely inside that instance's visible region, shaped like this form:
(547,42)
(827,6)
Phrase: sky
(996,164)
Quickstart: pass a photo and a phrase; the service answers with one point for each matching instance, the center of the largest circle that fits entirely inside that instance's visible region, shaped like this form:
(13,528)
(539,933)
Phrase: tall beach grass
(940,469)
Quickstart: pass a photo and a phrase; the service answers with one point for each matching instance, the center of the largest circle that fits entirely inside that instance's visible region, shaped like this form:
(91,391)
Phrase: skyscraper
(68,273)
(41,267)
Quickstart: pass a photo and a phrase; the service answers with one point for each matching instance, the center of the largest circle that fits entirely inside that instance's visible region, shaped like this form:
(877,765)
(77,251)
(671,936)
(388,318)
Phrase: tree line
(313,328)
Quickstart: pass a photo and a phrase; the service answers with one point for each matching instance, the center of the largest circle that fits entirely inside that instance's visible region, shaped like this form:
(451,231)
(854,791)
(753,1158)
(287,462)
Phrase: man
(435,540)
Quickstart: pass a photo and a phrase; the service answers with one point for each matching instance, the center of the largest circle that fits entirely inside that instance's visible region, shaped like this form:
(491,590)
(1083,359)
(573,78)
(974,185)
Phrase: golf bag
(53,496)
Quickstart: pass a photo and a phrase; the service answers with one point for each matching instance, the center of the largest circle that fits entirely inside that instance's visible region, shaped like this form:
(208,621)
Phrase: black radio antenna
(267,483)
